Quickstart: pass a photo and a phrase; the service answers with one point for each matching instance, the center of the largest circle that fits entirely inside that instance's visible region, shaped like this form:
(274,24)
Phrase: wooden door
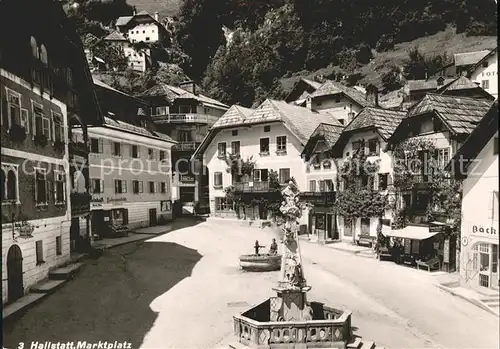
(15,274)
(152,217)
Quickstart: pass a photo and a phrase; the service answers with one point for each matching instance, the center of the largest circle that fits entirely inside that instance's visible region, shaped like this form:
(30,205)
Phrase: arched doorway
(15,273)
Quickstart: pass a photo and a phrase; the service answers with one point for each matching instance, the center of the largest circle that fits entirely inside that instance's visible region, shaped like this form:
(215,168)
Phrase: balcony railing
(185,118)
(250,187)
(318,197)
(186,146)
(80,203)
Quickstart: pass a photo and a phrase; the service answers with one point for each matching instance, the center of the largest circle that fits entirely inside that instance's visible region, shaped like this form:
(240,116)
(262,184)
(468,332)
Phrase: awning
(410,232)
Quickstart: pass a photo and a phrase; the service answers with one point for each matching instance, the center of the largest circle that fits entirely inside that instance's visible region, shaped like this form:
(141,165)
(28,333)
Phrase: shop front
(430,247)
(480,258)
(322,224)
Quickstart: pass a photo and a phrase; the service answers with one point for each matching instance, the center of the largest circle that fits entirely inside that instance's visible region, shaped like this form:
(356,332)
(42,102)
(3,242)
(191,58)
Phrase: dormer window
(34,48)
(485,64)
(440,81)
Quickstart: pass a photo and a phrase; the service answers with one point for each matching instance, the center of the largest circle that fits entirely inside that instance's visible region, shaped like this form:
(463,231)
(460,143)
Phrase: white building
(138,59)
(485,73)
(130,175)
(273,135)
(332,97)
(142,27)
(477,164)
(368,133)
(321,178)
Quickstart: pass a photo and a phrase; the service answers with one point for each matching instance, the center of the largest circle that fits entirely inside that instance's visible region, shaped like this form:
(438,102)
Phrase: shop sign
(187,178)
(97,199)
(115,200)
(490,73)
(437,228)
(480,230)
(446,251)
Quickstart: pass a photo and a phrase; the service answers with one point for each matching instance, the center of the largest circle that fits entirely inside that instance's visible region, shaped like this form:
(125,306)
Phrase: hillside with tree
(243,51)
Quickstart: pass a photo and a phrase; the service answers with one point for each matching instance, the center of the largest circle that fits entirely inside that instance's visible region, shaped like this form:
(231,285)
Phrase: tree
(358,199)
(391,80)
(113,55)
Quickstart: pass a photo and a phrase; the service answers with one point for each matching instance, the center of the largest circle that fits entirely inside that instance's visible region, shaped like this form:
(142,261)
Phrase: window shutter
(376,180)
(99,145)
(389,180)
(54,191)
(124,186)
(47,190)
(53,123)
(33,120)
(101,182)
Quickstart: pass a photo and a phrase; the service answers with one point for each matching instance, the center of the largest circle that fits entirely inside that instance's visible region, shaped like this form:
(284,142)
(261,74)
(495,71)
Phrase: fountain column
(291,303)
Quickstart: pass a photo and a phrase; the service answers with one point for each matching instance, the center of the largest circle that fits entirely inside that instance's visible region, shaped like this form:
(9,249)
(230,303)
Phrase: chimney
(156,16)
(189,86)
(372,95)
(134,12)
(309,102)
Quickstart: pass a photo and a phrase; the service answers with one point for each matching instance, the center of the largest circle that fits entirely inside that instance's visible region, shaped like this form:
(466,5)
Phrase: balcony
(190,118)
(318,197)
(80,203)
(251,187)
(78,148)
(186,146)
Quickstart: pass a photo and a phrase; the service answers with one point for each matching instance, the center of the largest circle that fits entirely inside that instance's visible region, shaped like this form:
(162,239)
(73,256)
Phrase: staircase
(492,302)
(359,343)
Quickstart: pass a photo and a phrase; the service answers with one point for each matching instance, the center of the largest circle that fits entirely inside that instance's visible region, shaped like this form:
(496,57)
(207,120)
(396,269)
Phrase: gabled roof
(301,85)
(469,58)
(235,114)
(491,53)
(121,21)
(426,84)
(174,92)
(463,85)
(384,120)
(300,121)
(324,132)
(115,36)
(333,87)
(143,13)
(475,143)
(460,114)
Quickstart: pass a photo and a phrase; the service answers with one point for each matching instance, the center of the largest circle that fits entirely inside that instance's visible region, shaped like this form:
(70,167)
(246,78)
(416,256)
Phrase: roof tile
(332,87)
(384,120)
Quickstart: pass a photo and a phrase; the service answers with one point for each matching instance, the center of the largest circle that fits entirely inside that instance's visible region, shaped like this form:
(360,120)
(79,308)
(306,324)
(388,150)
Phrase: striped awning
(410,232)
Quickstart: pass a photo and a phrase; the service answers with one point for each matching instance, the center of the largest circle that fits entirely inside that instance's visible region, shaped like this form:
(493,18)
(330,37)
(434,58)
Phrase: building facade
(186,116)
(485,73)
(476,164)
(46,91)
(273,137)
(436,128)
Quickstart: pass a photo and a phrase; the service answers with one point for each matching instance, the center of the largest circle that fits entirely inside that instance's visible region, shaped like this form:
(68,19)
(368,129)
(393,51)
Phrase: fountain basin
(329,328)
(263,262)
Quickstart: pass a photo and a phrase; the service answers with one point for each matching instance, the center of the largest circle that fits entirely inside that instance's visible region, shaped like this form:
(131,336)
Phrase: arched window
(43,55)
(34,48)
(2,185)
(11,185)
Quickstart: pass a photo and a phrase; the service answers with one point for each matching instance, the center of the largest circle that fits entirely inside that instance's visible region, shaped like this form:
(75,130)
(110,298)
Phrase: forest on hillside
(272,39)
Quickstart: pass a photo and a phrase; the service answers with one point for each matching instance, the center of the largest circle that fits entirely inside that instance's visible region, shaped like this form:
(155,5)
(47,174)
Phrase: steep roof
(302,122)
(426,84)
(136,130)
(174,92)
(475,143)
(121,21)
(300,88)
(491,53)
(460,83)
(384,120)
(460,114)
(333,87)
(235,114)
(469,58)
(115,36)
(324,132)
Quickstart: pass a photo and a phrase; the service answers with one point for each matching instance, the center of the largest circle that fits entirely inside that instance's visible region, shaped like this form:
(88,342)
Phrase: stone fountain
(289,320)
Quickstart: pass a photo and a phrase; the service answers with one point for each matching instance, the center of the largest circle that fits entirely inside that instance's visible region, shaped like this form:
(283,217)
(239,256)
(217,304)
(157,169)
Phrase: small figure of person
(274,248)
(257,247)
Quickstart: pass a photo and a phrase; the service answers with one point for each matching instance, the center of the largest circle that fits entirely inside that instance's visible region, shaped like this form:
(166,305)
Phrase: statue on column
(292,271)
